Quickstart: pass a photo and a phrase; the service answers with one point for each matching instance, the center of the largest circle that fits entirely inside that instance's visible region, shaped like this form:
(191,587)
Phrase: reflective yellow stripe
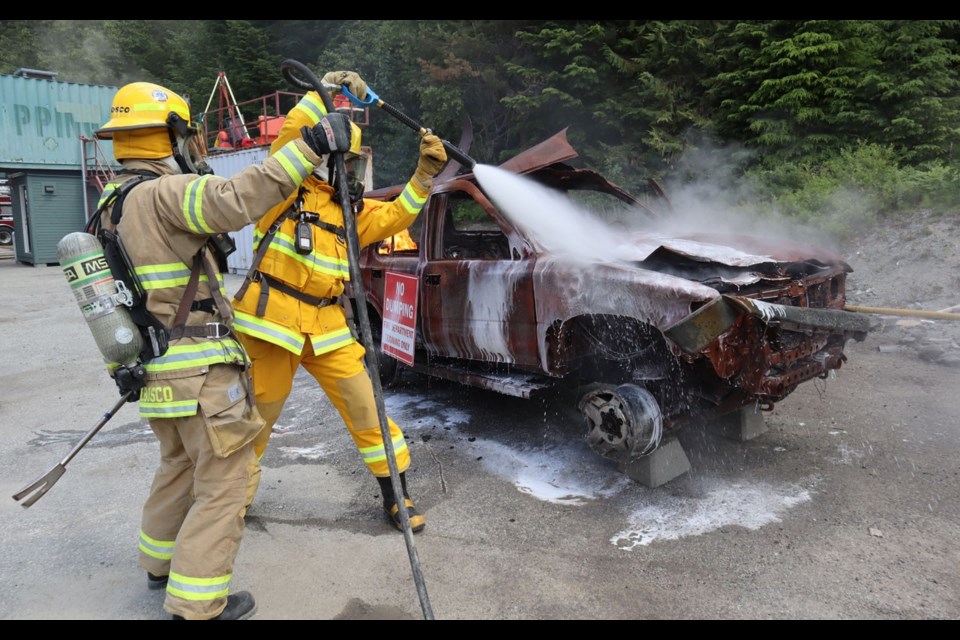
(378,453)
(188,356)
(333,340)
(180,409)
(193,206)
(329,265)
(163,276)
(312,106)
(411,200)
(107,190)
(198,588)
(160,549)
(268,331)
(294,162)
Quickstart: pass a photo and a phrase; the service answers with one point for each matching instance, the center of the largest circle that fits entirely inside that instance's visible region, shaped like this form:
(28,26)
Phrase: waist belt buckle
(216,330)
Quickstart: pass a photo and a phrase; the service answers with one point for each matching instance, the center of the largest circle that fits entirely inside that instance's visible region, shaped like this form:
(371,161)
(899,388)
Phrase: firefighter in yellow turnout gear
(196,394)
(289,312)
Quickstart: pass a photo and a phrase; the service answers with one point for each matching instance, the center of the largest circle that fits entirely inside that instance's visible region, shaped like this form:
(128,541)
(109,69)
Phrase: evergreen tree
(917,97)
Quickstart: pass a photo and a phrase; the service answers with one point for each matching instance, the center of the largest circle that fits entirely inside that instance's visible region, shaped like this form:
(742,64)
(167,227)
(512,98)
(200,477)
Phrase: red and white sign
(399,316)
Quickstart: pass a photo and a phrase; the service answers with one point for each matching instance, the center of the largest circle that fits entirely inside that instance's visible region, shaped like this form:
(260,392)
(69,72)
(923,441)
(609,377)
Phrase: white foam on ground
(310,453)
(568,472)
(564,475)
(748,505)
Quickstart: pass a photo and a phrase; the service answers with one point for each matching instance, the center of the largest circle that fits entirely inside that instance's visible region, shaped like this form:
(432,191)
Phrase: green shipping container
(43,126)
(42,121)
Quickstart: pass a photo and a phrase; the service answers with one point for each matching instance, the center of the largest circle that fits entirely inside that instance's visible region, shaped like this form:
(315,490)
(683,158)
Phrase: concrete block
(742,425)
(663,465)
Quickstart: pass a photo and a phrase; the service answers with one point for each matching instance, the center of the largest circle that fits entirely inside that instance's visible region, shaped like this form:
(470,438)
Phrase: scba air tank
(101,300)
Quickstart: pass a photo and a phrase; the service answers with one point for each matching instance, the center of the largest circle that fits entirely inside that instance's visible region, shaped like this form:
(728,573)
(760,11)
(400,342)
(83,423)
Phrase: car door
(476,286)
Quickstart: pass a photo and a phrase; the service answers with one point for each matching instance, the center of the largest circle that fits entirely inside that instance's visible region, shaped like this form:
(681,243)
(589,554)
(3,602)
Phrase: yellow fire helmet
(151,122)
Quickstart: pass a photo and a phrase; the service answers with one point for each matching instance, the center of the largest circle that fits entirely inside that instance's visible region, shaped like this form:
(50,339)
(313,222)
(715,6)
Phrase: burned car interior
(469,232)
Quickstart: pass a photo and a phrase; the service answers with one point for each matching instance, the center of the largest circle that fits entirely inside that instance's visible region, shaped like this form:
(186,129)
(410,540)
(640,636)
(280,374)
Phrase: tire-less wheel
(623,423)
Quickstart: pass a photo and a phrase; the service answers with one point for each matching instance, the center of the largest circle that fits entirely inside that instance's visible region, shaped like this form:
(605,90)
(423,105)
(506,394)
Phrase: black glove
(130,379)
(332,133)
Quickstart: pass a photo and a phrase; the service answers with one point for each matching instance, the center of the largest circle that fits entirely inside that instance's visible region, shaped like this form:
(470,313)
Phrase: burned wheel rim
(623,423)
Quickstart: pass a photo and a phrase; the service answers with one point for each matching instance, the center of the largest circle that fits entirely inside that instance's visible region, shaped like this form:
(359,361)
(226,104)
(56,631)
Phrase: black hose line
(287,68)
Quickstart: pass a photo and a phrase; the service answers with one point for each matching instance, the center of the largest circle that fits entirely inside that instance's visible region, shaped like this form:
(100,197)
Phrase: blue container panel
(41,121)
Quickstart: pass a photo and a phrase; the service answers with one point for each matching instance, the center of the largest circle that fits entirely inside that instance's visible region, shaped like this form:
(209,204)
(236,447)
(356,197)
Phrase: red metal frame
(269,108)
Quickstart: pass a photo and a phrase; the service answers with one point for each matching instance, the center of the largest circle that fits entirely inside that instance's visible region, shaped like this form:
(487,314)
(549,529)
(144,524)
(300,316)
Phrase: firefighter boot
(393,509)
(240,606)
(156,582)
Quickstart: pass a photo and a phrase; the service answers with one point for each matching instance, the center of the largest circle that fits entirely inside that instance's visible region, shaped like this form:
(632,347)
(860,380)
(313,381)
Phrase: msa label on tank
(86,268)
(92,283)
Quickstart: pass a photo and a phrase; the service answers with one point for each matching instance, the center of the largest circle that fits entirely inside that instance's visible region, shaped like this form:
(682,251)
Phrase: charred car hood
(734,250)
(660,278)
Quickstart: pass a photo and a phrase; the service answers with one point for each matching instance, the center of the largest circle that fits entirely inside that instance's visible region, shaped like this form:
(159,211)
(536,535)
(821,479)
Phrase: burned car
(648,331)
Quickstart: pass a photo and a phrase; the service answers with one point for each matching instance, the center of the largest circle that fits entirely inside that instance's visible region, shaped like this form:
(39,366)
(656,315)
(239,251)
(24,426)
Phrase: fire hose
(373,99)
(307,79)
(919,313)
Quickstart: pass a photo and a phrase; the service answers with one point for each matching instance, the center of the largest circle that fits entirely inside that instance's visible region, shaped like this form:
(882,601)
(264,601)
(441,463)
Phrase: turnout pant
(343,377)
(192,521)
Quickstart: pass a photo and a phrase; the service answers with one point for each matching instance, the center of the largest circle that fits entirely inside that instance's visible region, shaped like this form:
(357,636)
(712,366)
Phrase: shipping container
(42,122)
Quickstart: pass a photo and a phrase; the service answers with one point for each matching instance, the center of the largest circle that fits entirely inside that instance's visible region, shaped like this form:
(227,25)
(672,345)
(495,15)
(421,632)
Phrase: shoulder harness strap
(253,274)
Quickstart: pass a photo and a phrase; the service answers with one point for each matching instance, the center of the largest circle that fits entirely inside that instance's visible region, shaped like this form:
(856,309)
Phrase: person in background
(289,311)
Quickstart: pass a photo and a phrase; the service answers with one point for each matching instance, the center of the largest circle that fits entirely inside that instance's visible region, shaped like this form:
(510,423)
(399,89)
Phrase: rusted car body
(663,331)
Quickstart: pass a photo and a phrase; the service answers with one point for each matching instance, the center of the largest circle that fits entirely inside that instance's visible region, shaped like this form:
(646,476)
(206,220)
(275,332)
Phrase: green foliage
(935,185)
(837,120)
(467,212)
(16,47)
(851,190)
(917,95)
(79,51)
(802,90)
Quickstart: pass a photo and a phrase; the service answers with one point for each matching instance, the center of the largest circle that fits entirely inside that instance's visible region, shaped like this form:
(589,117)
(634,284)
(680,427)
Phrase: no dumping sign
(399,316)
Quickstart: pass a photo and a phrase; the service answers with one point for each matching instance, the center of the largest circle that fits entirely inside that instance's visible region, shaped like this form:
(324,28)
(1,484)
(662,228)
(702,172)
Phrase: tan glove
(432,158)
(352,79)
